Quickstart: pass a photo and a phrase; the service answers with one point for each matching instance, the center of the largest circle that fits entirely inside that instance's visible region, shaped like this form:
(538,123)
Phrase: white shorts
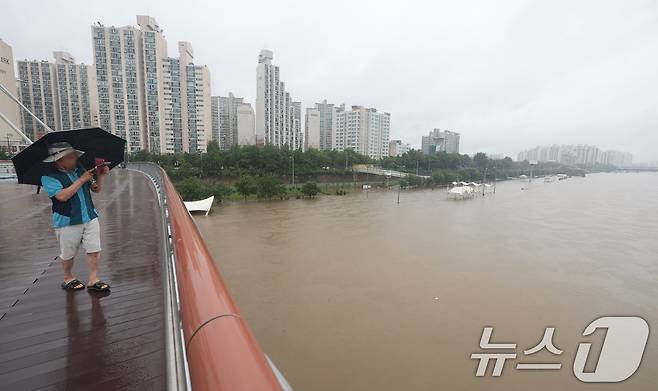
(71,237)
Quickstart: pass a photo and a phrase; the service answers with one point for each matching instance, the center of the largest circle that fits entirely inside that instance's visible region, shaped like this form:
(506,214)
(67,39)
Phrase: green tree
(480,160)
(268,186)
(192,189)
(246,185)
(438,177)
(221,191)
(310,189)
(414,181)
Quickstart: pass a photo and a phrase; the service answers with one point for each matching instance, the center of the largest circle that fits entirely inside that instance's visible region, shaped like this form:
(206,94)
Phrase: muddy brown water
(360,293)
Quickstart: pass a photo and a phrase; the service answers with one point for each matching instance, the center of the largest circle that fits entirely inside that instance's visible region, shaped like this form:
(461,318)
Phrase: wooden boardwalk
(52,339)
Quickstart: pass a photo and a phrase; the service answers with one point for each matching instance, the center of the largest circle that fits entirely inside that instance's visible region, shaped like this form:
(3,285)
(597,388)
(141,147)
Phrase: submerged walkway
(58,340)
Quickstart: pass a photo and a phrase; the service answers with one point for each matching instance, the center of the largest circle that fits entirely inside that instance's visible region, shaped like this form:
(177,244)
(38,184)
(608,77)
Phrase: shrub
(269,187)
(310,189)
(246,185)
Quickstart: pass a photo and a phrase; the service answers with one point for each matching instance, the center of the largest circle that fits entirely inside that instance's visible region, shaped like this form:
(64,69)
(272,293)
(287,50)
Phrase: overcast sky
(507,74)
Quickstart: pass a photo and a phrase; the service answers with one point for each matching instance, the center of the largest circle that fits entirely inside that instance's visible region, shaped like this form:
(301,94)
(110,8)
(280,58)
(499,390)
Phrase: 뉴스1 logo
(621,354)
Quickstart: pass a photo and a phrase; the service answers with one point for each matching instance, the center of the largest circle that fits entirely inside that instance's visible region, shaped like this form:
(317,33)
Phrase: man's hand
(87,176)
(102,170)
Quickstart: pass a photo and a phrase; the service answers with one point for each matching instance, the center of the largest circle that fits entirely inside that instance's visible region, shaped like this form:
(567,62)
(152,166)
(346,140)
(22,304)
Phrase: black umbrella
(94,142)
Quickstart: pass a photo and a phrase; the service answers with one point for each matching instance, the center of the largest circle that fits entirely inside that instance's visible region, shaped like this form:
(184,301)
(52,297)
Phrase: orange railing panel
(222,352)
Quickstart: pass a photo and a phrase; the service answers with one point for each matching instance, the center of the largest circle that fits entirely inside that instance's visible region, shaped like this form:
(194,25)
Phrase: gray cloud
(508,75)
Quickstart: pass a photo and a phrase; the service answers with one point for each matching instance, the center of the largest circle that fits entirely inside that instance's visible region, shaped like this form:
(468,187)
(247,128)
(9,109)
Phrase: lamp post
(399,188)
(293,170)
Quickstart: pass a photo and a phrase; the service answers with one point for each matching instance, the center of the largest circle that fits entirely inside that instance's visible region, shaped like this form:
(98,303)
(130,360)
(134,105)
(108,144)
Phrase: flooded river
(360,293)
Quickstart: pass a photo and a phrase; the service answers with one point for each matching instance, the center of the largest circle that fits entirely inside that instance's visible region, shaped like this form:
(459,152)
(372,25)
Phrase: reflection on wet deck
(52,339)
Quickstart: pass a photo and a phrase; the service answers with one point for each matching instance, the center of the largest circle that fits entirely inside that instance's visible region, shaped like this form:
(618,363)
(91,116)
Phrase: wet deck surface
(58,340)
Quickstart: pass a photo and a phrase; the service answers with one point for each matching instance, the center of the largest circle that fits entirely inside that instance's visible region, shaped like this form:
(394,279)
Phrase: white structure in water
(201,205)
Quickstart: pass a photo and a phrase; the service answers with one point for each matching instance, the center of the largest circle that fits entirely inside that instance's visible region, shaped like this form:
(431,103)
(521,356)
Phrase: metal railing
(177,371)
(209,344)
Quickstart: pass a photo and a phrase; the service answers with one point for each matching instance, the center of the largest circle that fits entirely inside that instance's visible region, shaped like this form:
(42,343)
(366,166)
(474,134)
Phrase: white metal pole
(16,129)
(9,94)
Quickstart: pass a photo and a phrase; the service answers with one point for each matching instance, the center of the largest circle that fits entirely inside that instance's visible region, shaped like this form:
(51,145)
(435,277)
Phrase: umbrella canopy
(95,142)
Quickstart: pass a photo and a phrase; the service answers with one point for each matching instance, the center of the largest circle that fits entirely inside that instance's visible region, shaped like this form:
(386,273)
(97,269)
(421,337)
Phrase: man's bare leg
(92,261)
(67,265)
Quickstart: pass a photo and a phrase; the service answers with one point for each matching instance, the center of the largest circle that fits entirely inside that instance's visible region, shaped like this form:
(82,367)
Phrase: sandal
(73,285)
(99,286)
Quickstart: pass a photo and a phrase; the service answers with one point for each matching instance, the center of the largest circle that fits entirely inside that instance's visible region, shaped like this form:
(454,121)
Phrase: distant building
(8,136)
(62,94)
(278,118)
(158,103)
(297,125)
(582,154)
(495,156)
(312,129)
(440,141)
(398,148)
(324,126)
(618,158)
(363,130)
(246,125)
(225,120)
(187,107)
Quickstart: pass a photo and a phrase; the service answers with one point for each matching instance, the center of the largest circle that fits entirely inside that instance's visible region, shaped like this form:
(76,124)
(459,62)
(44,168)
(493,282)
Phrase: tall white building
(576,154)
(312,129)
(77,95)
(9,137)
(617,158)
(62,94)
(119,59)
(363,130)
(398,148)
(156,102)
(440,141)
(246,125)
(38,93)
(195,96)
(322,128)
(278,118)
(225,120)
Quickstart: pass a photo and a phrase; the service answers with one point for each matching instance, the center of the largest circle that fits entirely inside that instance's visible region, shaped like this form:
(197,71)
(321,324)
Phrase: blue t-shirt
(53,186)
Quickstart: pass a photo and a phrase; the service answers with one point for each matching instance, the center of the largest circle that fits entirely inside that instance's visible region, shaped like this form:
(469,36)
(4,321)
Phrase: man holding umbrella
(74,217)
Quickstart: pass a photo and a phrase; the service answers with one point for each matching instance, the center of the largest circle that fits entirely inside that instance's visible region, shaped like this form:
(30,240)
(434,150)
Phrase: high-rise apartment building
(246,125)
(398,148)
(196,101)
(156,102)
(278,118)
(312,129)
(76,92)
(581,154)
(62,94)
(37,92)
(297,125)
(322,128)
(8,136)
(440,141)
(225,120)
(617,158)
(363,130)
(119,59)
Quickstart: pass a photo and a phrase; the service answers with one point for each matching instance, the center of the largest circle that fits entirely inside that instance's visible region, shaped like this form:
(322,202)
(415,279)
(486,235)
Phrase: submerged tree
(310,189)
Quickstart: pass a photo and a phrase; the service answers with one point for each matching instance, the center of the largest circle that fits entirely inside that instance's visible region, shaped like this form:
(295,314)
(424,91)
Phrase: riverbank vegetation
(267,172)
